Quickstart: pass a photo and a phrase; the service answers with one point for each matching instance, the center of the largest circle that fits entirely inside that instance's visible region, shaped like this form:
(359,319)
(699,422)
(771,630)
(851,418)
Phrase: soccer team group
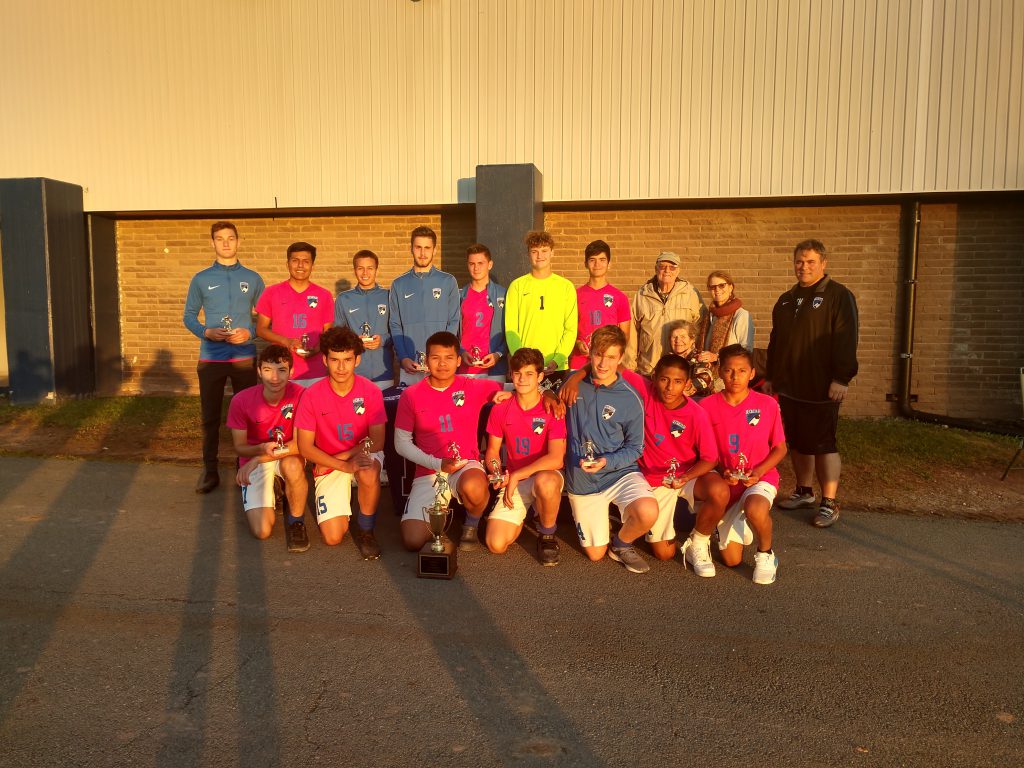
(584,396)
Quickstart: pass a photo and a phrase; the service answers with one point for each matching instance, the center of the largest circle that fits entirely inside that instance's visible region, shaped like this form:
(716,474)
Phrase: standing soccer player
(598,302)
(540,309)
(606,438)
(423,301)
(295,309)
(751,443)
(436,429)
(261,419)
(534,442)
(365,309)
(483,319)
(335,418)
(226,293)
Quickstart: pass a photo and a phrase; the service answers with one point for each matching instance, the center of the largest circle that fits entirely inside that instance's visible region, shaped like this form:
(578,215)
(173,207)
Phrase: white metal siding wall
(171,104)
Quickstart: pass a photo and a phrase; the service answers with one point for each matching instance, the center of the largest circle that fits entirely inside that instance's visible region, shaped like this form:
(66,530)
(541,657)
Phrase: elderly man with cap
(661,301)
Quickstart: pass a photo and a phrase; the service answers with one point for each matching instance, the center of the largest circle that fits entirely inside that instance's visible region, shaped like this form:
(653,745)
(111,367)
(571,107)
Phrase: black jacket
(813,340)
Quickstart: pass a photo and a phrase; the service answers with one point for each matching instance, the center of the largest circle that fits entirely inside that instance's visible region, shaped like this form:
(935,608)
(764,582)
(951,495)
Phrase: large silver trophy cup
(438,558)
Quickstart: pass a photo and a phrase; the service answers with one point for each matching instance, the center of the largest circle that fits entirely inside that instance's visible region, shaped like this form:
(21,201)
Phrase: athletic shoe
(468,541)
(630,558)
(698,554)
(827,514)
(209,480)
(547,549)
(295,536)
(765,566)
(797,501)
(367,543)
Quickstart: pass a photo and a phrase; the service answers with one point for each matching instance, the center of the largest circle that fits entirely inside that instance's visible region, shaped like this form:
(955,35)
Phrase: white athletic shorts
(333,492)
(259,493)
(422,492)
(733,526)
(590,511)
(664,528)
(521,501)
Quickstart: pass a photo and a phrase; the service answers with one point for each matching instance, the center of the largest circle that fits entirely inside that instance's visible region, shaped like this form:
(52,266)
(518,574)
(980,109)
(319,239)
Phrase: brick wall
(963,336)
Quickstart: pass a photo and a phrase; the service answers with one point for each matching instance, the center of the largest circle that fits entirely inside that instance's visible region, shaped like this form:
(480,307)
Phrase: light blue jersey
(355,307)
(612,418)
(221,292)
(422,303)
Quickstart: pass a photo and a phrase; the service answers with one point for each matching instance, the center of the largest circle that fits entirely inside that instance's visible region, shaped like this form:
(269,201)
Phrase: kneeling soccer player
(261,418)
(746,424)
(334,420)
(534,442)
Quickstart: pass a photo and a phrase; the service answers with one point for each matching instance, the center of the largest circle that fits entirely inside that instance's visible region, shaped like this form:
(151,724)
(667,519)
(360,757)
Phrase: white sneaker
(798,501)
(698,554)
(765,566)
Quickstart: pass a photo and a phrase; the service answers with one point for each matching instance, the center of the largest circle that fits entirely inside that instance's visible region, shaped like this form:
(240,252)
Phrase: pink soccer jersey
(597,307)
(525,434)
(752,428)
(251,412)
(683,433)
(477,314)
(439,418)
(338,423)
(293,313)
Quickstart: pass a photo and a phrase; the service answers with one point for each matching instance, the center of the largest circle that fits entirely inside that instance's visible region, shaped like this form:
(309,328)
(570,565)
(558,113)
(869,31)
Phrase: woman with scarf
(726,322)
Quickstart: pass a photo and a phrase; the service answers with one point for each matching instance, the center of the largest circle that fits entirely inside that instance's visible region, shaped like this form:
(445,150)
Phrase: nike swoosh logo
(409,295)
(211,287)
(353,310)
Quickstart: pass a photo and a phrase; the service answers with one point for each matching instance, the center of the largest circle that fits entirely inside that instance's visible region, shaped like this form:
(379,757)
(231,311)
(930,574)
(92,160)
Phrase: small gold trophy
(280,448)
(589,453)
(669,480)
(421,361)
(365,456)
(477,356)
(304,349)
(367,332)
(741,472)
(225,323)
(496,475)
(453,449)
(438,559)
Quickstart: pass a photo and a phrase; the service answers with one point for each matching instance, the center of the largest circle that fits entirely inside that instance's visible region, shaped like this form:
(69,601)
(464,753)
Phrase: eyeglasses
(718,287)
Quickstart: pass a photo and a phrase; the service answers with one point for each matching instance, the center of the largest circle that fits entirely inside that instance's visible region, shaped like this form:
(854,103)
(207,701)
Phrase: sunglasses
(718,286)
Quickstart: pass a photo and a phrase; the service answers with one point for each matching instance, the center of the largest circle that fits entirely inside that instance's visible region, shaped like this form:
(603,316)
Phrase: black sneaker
(209,480)
(547,549)
(468,541)
(828,514)
(295,535)
(367,543)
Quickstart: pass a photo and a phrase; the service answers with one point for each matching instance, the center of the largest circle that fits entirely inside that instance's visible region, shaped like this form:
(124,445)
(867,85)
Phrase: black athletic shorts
(810,427)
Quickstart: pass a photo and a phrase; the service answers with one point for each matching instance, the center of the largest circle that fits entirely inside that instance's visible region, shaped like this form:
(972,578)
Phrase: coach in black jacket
(812,356)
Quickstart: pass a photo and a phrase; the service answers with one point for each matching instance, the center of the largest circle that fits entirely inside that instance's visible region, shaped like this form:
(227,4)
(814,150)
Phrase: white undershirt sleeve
(407,449)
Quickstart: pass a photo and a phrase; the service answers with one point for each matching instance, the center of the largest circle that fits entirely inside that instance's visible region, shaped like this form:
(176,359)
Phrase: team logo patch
(288,411)
(382,308)
(359,406)
(753,416)
(677,428)
(312,301)
(538,425)
(818,301)
(799,302)
(607,412)
(459,398)
(437,294)
(244,287)
(607,298)
(501,303)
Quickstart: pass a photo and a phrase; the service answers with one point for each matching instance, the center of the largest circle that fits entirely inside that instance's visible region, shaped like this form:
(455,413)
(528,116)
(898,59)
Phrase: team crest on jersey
(607,298)
(501,302)
(753,416)
(244,287)
(359,406)
(437,294)
(818,301)
(382,308)
(459,398)
(607,412)
(538,425)
(799,302)
(677,428)
(288,411)
(312,301)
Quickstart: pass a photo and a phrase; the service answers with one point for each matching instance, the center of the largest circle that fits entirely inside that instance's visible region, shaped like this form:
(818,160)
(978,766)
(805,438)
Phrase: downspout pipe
(911,216)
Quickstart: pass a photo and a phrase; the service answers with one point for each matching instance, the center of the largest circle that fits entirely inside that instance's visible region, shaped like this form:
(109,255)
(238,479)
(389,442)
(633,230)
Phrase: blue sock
(545,530)
(618,543)
(472,521)
(294,518)
(366,522)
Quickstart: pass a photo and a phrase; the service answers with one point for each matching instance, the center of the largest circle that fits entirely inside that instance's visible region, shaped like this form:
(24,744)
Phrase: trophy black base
(437,565)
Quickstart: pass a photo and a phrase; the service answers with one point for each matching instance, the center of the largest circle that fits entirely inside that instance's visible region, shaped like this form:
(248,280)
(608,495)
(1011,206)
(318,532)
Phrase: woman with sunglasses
(726,322)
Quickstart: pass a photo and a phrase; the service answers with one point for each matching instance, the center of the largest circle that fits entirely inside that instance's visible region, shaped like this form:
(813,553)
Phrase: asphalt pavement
(142,625)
